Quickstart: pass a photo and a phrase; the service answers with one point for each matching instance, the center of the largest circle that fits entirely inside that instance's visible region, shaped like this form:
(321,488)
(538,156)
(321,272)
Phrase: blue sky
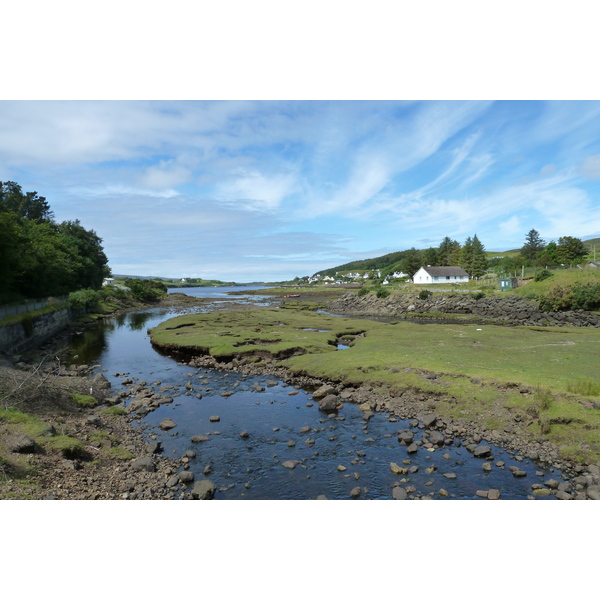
(270,190)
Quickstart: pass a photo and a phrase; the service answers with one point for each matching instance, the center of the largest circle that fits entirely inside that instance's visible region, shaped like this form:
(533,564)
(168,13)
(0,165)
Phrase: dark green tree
(27,205)
(448,253)
(411,262)
(570,250)
(478,258)
(533,247)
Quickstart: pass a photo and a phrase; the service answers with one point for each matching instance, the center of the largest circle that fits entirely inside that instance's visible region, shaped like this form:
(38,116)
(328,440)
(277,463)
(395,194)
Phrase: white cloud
(590,167)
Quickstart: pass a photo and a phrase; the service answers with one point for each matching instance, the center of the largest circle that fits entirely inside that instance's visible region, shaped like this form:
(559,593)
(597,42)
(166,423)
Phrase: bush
(363,291)
(586,296)
(478,295)
(88,300)
(146,289)
(542,274)
(581,296)
(558,298)
(383,293)
(424,294)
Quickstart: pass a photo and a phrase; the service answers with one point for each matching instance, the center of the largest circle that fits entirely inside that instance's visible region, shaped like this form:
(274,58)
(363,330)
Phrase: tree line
(536,252)
(40,257)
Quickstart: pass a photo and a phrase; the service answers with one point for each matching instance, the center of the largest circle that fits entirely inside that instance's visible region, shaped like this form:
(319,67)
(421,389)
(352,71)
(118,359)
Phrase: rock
(428,420)
(341,468)
(412,448)
(172,481)
(153,447)
(399,493)
(22,444)
(244,434)
(214,419)
(552,484)
(355,492)
(450,475)
(203,490)
(323,391)
(167,424)
(482,493)
(186,477)
(330,402)
(563,495)
(49,431)
(593,494)
(493,494)
(143,464)
(406,437)
(365,406)
(207,470)
(436,438)
(482,451)
(199,438)
(397,469)
(290,464)
(486,466)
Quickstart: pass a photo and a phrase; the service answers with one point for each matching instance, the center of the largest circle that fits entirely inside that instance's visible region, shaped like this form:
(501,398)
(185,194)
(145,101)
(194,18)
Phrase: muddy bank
(504,310)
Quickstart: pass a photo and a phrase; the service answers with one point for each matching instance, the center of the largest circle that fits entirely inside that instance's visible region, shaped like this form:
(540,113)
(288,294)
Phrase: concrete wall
(26,335)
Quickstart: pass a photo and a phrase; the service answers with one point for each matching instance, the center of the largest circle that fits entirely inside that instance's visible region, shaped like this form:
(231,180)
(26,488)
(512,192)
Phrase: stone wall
(29,333)
(508,309)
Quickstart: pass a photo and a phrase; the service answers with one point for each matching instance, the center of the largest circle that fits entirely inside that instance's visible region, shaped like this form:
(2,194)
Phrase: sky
(270,190)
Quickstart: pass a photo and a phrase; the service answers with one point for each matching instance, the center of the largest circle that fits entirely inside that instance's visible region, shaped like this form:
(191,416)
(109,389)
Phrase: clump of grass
(584,387)
(542,399)
(69,447)
(119,453)
(85,401)
(114,410)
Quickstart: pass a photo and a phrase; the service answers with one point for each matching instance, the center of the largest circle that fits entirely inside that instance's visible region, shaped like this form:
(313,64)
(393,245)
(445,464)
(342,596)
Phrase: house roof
(446,271)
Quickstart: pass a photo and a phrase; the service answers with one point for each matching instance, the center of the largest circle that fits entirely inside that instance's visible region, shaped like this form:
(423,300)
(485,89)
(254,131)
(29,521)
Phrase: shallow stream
(335,453)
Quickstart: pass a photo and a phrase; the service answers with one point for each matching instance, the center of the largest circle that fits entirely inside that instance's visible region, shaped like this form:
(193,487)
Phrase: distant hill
(380,262)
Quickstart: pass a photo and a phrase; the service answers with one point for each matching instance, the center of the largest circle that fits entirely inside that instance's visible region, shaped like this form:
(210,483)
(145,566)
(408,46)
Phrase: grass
(85,401)
(484,373)
(114,411)
(67,446)
(560,277)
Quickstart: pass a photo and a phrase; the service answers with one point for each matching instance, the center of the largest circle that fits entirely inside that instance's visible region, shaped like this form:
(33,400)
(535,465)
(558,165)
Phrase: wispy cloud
(247,189)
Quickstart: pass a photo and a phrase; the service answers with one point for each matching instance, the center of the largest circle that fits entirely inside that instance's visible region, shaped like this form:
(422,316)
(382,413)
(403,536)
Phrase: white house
(429,275)
(108,281)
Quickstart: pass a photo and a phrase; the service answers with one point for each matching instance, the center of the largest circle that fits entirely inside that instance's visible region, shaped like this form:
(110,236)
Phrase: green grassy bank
(545,378)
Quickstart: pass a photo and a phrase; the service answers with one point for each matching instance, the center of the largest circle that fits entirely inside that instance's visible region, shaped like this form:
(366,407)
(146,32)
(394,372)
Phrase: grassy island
(545,378)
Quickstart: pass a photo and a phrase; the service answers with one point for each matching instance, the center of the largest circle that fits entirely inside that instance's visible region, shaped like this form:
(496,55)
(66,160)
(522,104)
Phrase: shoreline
(149,475)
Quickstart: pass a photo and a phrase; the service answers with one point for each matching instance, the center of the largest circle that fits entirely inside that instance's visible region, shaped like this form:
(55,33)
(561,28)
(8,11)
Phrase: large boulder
(330,402)
(143,464)
(22,444)
(324,390)
(203,490)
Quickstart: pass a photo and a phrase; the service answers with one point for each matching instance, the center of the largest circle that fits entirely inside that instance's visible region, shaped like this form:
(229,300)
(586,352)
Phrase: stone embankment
(504,310)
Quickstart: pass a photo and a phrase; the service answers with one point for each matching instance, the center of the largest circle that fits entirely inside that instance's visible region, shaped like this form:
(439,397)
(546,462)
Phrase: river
(333,455)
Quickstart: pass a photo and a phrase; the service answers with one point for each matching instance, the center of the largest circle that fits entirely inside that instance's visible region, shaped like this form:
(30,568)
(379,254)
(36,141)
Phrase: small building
(108,281)
(437,275)
(510,283)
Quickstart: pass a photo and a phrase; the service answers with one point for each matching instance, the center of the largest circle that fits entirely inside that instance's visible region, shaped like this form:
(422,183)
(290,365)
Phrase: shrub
(586,296)
(88,300)
(424,294)
(542,274)
(363,291)
(478,295)
(383,293)
(557,298)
